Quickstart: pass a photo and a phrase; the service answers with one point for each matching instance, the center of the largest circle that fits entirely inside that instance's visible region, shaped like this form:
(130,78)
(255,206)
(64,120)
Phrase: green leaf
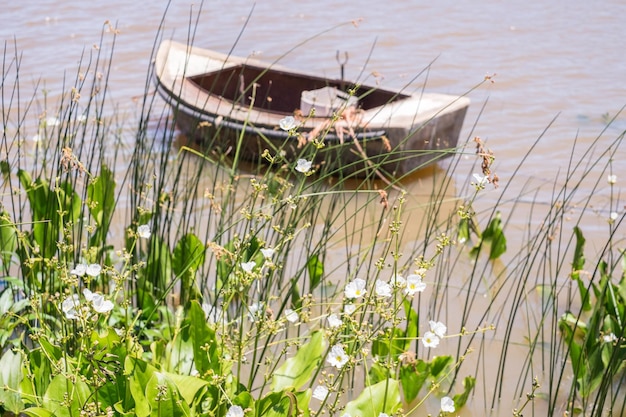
(37,412)
(316,271)
(205,348)
(101,197)
(164,398)
(494,234)
(188,386)
(412,378)
(439,364)
(383,397)
(468,386)
(11,377)
(579,257)
(188,254)
(60,391)
(139,373)
(297,370)
(277,404)
(8,239)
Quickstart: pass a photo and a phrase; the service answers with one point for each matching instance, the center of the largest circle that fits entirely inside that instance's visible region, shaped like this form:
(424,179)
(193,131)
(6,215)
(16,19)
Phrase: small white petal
(144,231)
(320,392)
(447,405)
(612,179)
(430,340)
(304,166)
(291,315)
(248,266)
(334,321)
(355,289)
(235,411)
(287,123)
(93,270)
(79,270)
(268,253)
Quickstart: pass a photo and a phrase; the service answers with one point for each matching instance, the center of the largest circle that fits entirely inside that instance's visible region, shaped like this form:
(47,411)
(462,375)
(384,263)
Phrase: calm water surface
(558,63)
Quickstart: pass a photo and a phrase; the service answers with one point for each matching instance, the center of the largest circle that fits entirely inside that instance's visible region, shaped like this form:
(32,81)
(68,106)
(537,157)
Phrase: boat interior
(281,91)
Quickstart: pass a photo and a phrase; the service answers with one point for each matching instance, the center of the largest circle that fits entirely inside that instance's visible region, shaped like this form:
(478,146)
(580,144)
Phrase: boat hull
(396,136)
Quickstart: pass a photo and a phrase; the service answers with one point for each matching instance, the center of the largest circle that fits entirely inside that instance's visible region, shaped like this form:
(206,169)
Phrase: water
(553,63)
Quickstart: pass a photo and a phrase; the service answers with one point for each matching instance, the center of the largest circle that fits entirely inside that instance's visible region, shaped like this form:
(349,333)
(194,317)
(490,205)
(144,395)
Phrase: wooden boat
(235,106)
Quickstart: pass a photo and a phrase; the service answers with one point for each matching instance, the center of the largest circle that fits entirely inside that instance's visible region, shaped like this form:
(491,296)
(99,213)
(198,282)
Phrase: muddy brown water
(558,64)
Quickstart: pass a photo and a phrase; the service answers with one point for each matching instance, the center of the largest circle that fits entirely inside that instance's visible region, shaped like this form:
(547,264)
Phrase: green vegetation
(143,282)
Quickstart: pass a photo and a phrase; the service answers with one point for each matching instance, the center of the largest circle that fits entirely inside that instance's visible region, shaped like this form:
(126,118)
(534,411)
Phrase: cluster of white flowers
(93,270)
(432,337)
(71,305)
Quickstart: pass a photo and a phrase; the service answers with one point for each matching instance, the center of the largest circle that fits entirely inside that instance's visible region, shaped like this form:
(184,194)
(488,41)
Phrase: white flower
(52,121)
(438,328)
(320,392)
(383,415)
(268,253)
(480,180)
(398,281)
(253,311)
(304,166)
(235,411)
(70,305)
(291,315)
(36,138)
(414,284)
(99,303)
(346,415)
(612,179)
(383,289)
(79,269)
(82,118)
(355,289)
(337,356)
(144,231)
(430,340)
(349,309)
(248,266)
(333,321)
(93,270)
(287,123)
(447,405)
(614,216)
(609,338)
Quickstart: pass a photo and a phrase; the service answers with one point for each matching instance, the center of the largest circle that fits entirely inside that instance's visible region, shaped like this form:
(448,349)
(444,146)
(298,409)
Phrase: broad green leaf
(188,386)
(412,378)
(11,377)
(101,197)
(37,412)
(60,391)
(439,364)
(205,348)
(315,267)
(188,254)
(383,397)
(164,398)
(139,374)
(8,239)
(495,236)
(468,386)
(277,404)
(377,372)
(297,370)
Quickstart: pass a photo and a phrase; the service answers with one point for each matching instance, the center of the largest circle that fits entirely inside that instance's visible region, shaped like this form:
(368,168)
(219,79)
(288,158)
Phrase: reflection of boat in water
(219,98)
